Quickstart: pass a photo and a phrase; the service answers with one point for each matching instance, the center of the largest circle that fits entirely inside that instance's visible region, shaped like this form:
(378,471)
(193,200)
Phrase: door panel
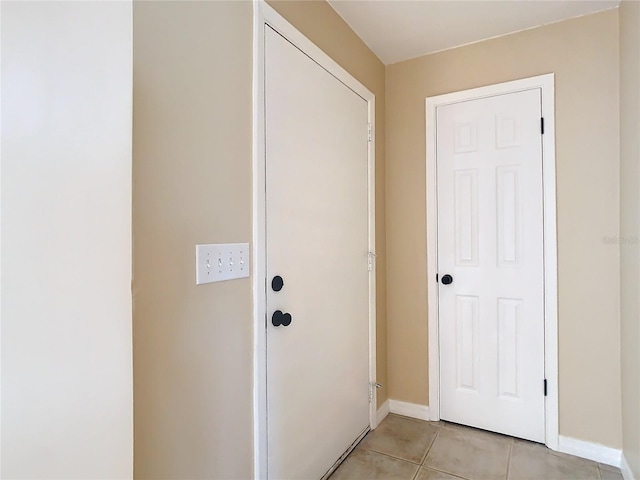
(490,239)
(317,241)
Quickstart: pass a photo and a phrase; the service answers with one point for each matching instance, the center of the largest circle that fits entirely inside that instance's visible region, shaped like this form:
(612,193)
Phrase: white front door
(490,263)
(317,274)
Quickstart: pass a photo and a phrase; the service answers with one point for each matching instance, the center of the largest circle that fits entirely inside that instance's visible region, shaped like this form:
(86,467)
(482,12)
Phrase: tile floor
(402,448)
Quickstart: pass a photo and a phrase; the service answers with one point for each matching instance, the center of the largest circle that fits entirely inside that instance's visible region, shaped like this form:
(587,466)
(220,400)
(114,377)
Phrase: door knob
(278,318)
(447,279)
(277,283)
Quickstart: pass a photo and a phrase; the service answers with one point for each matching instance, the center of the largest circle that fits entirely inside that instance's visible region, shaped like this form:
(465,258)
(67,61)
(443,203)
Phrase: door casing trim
(264,15)
(546,84)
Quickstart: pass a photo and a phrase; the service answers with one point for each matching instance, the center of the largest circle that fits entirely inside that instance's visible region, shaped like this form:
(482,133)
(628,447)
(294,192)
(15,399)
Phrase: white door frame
(263,15)
(546,84)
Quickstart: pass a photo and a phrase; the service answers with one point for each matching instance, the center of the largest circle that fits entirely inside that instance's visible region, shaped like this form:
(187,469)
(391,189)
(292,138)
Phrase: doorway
(492,258)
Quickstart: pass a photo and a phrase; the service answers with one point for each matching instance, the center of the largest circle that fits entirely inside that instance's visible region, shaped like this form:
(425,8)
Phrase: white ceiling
(398,30)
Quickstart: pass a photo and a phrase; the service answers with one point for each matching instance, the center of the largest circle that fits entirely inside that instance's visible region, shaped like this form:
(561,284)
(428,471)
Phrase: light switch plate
(221,261)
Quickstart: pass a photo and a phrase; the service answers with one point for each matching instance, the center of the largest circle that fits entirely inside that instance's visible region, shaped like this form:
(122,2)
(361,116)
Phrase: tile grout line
(403,460)
(435,437)
(434,469)
(394,457)
(416,474)
(509,460)
(438,427)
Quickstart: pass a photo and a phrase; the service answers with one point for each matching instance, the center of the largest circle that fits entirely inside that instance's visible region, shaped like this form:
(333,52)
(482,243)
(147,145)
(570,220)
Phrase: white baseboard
(382,412)
(591,451)
(407,409)
(627,474)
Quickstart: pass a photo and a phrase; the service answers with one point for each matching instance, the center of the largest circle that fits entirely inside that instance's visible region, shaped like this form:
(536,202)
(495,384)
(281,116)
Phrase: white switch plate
(221,261)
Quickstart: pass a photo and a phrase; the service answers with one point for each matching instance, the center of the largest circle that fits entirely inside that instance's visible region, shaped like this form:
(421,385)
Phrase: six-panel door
(490,240)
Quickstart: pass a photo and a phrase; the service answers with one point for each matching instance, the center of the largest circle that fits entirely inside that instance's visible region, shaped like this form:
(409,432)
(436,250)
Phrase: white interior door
(490,242)
(317,243)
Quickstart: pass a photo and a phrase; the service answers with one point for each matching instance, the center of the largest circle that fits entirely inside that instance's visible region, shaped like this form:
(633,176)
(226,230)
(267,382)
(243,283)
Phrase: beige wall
(583,53)
(193,346)
(192,150)
(630,229)
(67,406)
(324,27)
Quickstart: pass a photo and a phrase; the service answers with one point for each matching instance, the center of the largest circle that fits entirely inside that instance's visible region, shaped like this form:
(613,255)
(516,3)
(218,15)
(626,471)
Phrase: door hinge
(369,133)
(370,259)
(542,125)
(373,385)
(437,278)
(545,387)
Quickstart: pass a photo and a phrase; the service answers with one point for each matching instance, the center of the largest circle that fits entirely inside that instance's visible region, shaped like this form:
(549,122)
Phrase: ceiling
(398,30)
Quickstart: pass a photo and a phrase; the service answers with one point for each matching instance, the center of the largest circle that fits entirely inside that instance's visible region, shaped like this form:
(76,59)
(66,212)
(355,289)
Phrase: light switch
(221,261)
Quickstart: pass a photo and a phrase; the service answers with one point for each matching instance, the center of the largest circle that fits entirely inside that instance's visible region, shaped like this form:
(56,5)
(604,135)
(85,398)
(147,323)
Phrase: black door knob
(278,318)
(447,279)
(277,283)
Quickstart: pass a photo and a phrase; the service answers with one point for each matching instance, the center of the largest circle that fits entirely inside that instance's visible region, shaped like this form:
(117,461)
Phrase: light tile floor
(403,448)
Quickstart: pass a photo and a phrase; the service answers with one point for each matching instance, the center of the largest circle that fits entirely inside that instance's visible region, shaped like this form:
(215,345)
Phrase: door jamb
(546,84)
(264,15)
